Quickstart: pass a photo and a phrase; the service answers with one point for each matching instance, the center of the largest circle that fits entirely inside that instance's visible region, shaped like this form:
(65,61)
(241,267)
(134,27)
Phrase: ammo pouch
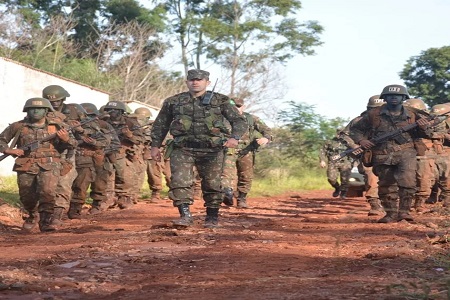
(98,158)
(23,164)
(366,158)
(420,146)
(168,149)
(66,167)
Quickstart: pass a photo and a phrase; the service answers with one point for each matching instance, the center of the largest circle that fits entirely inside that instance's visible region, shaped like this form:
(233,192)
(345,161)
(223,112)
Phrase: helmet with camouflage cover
(115,105)
(74,111)
(37,103)
(375,101)
(143,112)
(54,93)
(415,103)
(440,109)
(394,89)
(90,109)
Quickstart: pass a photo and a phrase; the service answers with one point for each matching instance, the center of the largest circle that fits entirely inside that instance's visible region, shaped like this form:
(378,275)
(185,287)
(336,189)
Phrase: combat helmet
(143,112)
(440,109)
(115,105)
(375,101)
(415,103)
(90,109)
(394,89)
(38,103)
(74,111)
(54,93)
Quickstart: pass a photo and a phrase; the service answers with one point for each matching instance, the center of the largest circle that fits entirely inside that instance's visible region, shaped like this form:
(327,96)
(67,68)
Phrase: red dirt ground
(305,245)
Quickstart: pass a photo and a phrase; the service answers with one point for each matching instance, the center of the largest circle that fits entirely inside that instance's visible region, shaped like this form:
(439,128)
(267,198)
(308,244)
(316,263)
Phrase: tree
(428,75)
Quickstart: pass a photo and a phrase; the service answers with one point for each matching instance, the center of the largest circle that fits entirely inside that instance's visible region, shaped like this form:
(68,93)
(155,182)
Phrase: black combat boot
(343,195)
(156,196)
(434,196)
(74,210)
(375,207)
(30,221)
(186,219)
(228,196)
(242,200)
(337,191)
(390,207)
(96,207)
(45,222)
(212,217)
(418,204)
(404,209)
(57,216)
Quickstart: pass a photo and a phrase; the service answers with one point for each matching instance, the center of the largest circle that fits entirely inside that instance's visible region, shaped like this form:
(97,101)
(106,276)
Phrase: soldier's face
(393,100)
(197,85)
(36,113)
(115,113)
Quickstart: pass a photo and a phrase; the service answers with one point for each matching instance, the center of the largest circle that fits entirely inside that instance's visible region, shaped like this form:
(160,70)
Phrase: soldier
(130,136)
(341,167)
(89,157)
(196,122)
(370,179)
(57,95)
(101,194)
(241,161)
(394,161)
(38,167)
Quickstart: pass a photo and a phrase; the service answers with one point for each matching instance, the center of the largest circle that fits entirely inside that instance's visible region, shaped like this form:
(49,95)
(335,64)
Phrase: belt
(395,148)
(84,152)
(45,160)
(196,145)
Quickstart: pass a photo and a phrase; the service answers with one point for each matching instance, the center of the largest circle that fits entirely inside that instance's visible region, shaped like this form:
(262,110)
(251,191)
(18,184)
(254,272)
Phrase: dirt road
(297,246)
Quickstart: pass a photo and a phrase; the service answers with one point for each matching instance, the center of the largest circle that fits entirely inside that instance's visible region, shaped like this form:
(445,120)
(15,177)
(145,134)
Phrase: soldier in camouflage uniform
(196,122)
(341,167)
(90,156)
(370,179)
(102,196)
(394,161)
(130,136)
(240,161)
(57,95)
(38,168)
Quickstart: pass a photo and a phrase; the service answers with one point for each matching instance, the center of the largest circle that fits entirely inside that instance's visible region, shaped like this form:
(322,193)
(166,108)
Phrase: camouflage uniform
(38,170)
(240,161)
(394,161)
(341,167)
(198,137)
(131,137)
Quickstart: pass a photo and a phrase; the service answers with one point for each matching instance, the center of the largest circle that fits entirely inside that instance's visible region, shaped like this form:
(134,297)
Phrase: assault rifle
(389,136)
(35,144)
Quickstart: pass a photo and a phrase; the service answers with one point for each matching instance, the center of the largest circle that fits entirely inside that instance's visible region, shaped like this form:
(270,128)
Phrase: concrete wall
(19,82)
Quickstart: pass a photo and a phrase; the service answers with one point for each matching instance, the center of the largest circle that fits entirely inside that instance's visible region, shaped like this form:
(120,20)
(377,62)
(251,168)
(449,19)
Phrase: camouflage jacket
(190,121)
(333,147)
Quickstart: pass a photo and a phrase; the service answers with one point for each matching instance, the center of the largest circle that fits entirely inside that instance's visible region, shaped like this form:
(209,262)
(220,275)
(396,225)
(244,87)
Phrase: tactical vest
(195,122)
(376,124)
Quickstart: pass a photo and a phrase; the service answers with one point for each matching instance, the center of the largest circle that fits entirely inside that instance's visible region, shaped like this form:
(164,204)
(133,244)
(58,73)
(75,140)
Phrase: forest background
(122,47)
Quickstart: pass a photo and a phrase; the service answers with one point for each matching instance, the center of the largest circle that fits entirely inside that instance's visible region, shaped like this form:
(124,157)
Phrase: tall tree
(428,75)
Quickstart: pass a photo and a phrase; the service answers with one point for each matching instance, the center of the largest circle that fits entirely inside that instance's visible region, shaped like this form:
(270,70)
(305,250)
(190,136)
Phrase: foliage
(428,75)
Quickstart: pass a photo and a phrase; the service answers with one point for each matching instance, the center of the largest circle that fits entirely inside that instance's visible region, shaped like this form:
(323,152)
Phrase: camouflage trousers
(64,188)
(86,176)
(371,183)
(425,173)
(99,188)
(396,173)
(123,179)
(137,168)
(443,175)
(38,191)
(238,172)
(209,167)
(342,169)
(155,171)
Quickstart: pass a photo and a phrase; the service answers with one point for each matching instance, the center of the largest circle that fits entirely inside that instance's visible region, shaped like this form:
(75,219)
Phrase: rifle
(388,136)
(35,144)
(209,94)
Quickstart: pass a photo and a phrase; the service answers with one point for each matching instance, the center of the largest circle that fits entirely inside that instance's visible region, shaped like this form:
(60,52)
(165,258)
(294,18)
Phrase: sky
(366,45)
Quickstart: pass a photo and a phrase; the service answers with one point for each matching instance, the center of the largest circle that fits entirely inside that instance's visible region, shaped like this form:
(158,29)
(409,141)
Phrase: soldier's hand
(63,135)
(76,126)
(262,141)
(424,123)
(127,132)
(15,152)
(366,144)
(88,140)
(155,153)
(231,143)
(323,164)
